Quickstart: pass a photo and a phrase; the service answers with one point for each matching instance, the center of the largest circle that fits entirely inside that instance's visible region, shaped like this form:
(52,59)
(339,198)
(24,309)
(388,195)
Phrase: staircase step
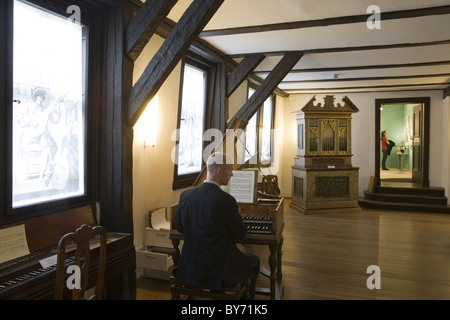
(367,203)
(430,191)
(406,198)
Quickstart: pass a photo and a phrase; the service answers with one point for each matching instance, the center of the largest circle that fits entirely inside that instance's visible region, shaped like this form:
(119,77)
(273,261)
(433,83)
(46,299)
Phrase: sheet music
(13,243)
(243,186)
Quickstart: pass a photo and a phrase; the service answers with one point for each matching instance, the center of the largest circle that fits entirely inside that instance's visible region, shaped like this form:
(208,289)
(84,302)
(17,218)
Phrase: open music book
(243,186)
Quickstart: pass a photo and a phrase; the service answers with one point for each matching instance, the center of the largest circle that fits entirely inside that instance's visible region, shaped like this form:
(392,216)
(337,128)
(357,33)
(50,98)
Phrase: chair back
(270,185)
(81,259)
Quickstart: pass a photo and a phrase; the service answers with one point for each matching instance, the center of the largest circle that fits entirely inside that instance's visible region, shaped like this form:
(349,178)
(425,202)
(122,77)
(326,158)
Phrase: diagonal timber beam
(172,50)
(241,72)
(240,119)
(144,25)
(267,86)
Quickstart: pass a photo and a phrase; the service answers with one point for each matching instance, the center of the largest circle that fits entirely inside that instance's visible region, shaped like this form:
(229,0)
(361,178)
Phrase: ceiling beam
(402,14)
(369,78)
(348,49)
(144,24)
(242,71)
(352,68)
(370,87)
(169,54)
(267,87)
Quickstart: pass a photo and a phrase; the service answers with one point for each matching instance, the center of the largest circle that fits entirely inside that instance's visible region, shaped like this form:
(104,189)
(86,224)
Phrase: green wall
(392,119)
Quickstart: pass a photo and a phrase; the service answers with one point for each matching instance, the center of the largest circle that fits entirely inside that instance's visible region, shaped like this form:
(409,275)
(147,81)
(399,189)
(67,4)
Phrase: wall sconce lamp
(147,125)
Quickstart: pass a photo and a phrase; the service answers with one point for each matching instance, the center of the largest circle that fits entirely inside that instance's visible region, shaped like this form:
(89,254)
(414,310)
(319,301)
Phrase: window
(50,135)
(267,132)
(192,113)
(190,147)
(48,131)
(259,134)
(251,137)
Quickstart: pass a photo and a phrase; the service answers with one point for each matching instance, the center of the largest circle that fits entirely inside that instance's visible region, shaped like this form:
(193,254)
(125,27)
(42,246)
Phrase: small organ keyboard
(259,225)
(265,217)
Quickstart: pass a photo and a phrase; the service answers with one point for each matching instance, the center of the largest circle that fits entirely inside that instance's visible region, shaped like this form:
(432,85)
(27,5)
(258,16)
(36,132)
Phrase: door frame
(425,101)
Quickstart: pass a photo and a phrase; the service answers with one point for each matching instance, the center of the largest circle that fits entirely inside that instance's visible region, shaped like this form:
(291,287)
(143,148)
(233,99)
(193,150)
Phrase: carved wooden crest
(329,105)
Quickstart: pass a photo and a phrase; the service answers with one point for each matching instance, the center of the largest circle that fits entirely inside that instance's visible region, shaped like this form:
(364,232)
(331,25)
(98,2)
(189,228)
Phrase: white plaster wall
(153,166)
(363,128)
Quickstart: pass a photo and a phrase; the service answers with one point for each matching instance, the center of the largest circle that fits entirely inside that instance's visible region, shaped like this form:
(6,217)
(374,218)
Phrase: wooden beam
(240,119)
(116,170)
(6,91)
(368,67)
(204,48)
(415,76)
(400,85)
(242,71)
(144,25)
(172,50)
(268,86)
(446,92)
(390,15)
(349,49)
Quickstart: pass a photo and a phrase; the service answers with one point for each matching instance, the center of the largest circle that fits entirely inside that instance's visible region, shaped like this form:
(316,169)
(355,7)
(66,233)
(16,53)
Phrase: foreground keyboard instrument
(25,278)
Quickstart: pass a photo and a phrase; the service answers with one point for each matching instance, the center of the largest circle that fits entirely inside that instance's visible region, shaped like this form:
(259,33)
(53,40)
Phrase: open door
(419,148)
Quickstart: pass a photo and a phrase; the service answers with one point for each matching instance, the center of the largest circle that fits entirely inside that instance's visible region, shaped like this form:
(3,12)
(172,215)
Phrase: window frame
(8,214)
(197,61)
(259,131)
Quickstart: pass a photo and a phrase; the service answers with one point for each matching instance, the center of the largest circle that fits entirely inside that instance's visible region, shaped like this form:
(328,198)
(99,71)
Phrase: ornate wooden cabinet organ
(324,179)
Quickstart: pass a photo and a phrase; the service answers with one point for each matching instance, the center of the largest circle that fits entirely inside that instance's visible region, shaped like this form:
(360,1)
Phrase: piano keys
(263,217)
(24,278)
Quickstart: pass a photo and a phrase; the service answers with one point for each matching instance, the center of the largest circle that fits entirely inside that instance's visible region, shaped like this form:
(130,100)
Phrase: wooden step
(406,198)
(430,191)
(421,207)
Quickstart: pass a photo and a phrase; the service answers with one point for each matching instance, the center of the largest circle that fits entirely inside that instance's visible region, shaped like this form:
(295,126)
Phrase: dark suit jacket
(211,225)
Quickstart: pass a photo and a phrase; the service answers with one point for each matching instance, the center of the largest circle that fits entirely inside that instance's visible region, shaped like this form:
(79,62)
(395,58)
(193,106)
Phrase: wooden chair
(81,258)
(179,291)
(270,185)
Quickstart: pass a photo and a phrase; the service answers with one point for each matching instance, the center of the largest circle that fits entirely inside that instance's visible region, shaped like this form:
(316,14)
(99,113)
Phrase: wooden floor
(326,256)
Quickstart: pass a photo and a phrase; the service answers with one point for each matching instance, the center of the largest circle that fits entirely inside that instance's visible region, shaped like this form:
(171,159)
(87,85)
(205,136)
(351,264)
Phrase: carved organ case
(323,177)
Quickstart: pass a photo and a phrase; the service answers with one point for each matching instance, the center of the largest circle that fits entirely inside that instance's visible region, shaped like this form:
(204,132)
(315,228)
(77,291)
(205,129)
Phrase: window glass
(251,139)
(190,147)
(266,132)
(48,155)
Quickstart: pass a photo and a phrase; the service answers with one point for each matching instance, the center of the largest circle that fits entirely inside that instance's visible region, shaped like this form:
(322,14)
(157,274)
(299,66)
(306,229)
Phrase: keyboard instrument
(25,278)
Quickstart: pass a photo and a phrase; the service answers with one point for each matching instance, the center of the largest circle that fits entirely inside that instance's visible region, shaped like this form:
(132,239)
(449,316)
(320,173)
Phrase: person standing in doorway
(384,149)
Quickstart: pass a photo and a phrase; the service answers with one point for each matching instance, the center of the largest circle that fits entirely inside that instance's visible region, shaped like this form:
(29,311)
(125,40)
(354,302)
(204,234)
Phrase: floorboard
(326,256)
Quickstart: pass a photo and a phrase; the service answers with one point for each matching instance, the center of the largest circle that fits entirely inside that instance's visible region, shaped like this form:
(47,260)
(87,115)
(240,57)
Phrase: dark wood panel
(45,231)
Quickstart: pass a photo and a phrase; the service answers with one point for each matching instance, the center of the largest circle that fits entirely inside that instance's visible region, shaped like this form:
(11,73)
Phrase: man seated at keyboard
(209,219)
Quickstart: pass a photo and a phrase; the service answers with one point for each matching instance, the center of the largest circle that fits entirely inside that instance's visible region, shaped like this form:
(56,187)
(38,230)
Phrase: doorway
(406,121)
